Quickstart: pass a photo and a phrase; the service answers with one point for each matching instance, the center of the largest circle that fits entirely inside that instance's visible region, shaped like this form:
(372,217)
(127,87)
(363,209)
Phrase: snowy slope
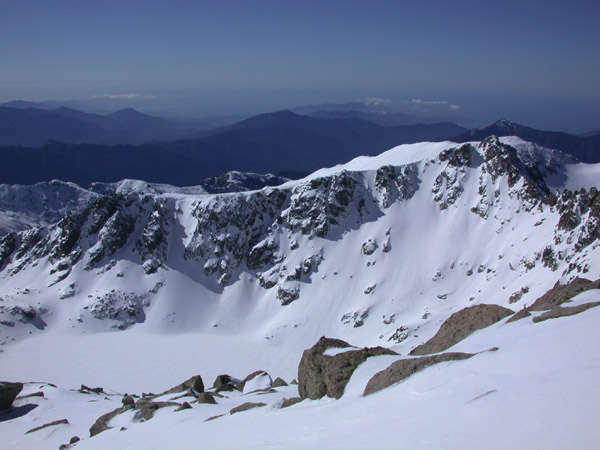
(138,290)
(23,207)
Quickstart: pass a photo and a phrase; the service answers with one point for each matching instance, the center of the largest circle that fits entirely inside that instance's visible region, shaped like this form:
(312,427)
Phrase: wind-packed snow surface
(138,290)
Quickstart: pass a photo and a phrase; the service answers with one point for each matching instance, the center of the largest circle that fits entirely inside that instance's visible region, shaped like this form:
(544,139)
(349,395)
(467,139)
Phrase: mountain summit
(585,148)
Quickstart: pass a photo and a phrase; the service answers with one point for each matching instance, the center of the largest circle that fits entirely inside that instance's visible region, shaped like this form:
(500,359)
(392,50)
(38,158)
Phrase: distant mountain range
(268,143)
(379,113)
(585,148)
(35,126)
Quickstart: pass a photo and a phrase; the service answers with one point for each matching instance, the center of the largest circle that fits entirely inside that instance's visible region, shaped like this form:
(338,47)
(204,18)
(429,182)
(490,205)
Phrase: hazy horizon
(529,61)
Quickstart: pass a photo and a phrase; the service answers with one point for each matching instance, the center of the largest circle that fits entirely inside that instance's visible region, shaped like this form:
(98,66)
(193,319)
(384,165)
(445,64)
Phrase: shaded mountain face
(584,148)
(268,143)
(421,229)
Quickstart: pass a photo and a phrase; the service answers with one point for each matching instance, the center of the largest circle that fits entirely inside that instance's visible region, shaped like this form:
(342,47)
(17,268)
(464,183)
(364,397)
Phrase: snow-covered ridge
(279,240)
(139,290)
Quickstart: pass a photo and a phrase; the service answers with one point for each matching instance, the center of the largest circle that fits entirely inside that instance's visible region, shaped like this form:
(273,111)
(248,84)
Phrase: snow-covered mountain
(139,289)
(28,206)
(41,204)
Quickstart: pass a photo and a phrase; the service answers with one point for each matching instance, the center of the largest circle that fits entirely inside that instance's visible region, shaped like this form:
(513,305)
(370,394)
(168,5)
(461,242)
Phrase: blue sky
(255,55)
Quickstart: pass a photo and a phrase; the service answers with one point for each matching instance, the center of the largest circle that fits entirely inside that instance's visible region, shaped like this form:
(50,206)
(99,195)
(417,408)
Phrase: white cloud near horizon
(124,96)
(374,101)
(417,101)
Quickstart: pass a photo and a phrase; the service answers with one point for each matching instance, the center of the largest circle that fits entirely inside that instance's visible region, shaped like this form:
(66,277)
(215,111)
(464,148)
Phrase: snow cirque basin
(141,291)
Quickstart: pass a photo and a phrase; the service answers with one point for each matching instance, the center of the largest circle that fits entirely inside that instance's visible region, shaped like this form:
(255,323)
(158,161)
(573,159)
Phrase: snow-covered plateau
(463,275)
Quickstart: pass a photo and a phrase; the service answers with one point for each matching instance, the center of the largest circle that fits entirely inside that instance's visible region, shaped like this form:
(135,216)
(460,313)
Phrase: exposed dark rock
(321,375)
(294,381)
(580,210)
(287,295)
(404,368)
(250,377)
(225,383)
(290,401)
(206,398)
(214,417)
(74,439)
(519,315)
(128,400)
(51,424)
(184,405)
(279,382)
(88,390)
(246,406)
(563,311)
(193,385)
(8,393)
(460,325)
(369,247)
(35,394)
(101,423)
(147,407)
(562,293)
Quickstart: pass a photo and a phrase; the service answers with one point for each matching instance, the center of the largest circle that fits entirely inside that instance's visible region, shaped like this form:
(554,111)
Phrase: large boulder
(8,393)
(399,370)
(460,325)
(320,374)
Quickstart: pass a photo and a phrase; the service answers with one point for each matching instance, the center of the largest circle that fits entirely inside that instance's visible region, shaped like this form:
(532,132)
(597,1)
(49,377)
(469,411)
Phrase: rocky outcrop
(146,407)
(193,386)
(320,374)
(279,382)
(101,423)
(519,315)
(563,311)
(404,368)
(460,325)
(562,293)
(205,397)
(552,301)
(260,379)
(246,406)
(290,401)
(226,383)
(51,424)
(8,393)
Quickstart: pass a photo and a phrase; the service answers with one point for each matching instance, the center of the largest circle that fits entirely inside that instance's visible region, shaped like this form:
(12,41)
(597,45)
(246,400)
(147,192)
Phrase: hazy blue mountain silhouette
(267,143)
(27,126)
(584,148)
